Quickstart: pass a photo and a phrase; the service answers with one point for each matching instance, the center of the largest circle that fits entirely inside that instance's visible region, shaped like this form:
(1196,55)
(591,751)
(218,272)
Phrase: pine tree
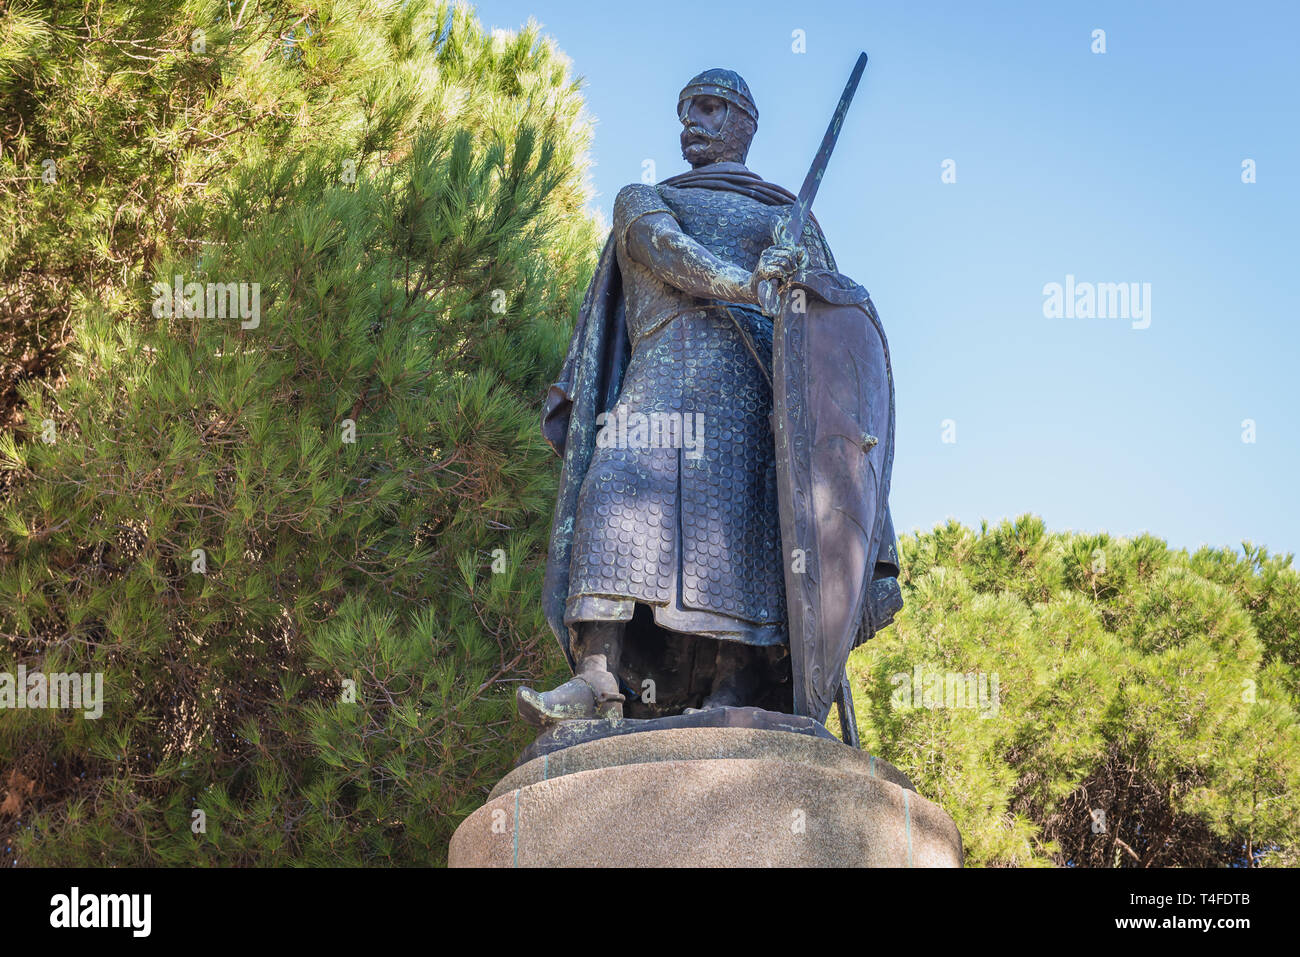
(294,515)
(1145,712)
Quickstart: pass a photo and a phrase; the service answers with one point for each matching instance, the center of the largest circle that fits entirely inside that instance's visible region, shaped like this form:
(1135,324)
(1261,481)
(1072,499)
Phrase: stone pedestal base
(706,797)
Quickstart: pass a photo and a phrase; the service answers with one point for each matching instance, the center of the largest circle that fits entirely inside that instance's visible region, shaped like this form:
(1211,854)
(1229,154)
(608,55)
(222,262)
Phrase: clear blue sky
(1116,167)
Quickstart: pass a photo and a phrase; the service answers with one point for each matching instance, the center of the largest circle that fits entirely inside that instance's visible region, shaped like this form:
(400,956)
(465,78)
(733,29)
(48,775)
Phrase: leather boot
(733,678)
(591,693)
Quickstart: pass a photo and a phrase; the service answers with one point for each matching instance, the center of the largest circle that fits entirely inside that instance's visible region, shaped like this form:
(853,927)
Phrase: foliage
(1144,711)
(244,520)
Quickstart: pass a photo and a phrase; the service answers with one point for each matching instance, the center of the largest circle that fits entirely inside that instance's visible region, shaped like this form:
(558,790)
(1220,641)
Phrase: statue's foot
(590,694)
(726,698)
(573,700)
(710,705)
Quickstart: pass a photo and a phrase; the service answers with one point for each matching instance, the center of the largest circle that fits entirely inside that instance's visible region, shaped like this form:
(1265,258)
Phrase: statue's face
(702,139)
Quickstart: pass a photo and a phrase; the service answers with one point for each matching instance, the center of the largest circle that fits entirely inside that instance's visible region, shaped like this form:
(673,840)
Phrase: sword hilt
(769,296)
(769,300)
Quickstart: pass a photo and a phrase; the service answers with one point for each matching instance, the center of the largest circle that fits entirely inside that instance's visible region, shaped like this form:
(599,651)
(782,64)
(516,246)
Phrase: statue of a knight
(722,534)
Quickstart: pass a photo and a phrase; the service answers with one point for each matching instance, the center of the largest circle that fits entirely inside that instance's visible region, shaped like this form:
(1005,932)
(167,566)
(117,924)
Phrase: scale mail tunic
(696,537)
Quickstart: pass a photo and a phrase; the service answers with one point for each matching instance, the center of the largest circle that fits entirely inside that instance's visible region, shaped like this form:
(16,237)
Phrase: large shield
(833,395)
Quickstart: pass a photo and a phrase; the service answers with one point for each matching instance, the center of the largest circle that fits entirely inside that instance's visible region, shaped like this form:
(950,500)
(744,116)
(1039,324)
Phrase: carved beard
(729,144)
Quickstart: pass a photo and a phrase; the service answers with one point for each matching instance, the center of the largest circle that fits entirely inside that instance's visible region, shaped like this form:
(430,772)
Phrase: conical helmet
(724,84)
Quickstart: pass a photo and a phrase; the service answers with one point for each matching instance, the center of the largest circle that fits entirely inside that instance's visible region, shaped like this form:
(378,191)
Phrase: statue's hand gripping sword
(790,231)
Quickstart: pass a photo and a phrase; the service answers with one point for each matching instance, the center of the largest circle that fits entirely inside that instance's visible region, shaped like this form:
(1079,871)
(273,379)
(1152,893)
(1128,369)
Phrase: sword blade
(808,192)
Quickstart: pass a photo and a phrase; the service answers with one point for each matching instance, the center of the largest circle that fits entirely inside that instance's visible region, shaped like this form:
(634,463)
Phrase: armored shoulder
(632,202)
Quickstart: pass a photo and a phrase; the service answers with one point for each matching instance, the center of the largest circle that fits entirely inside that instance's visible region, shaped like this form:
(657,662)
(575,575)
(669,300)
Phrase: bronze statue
(725,417)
